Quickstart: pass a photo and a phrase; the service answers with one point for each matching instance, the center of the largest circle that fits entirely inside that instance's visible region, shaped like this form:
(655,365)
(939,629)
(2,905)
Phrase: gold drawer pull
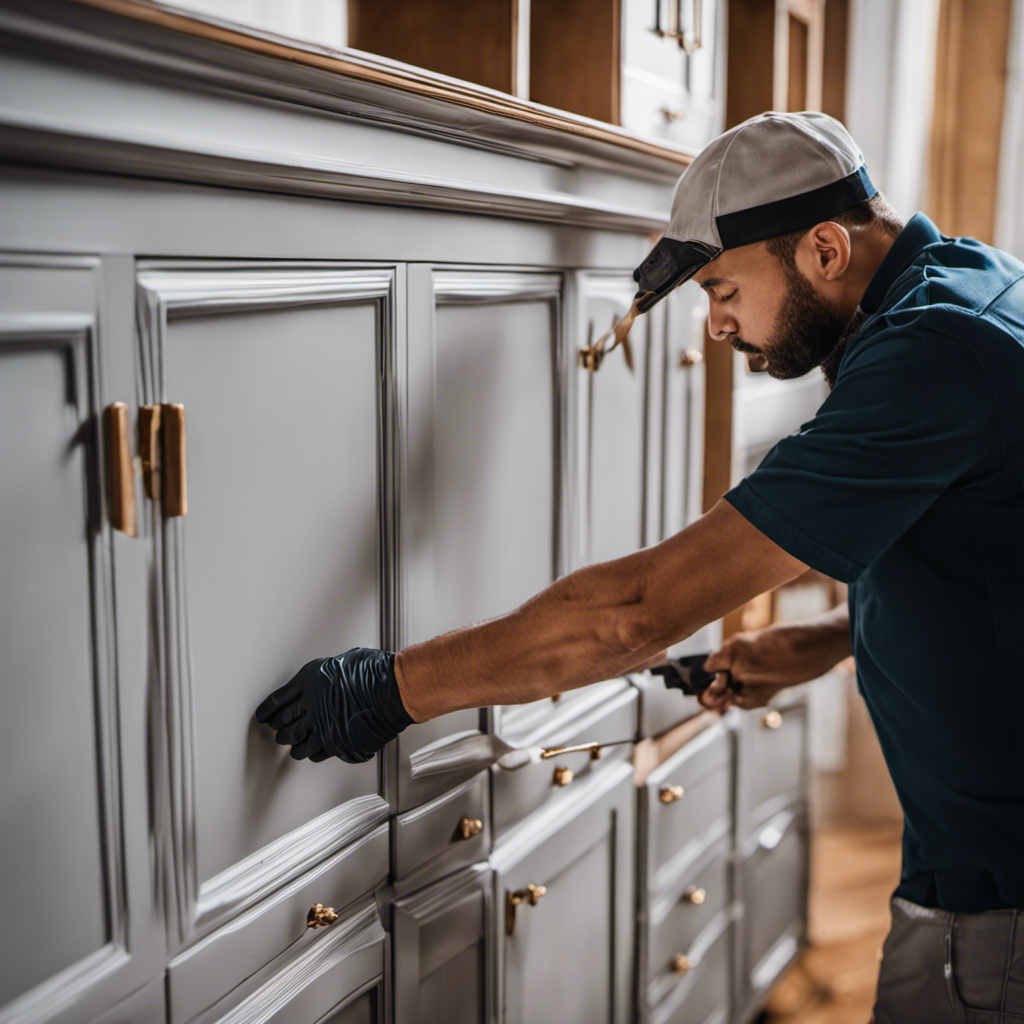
(671,793)
(469,827)
(563,775)
(683,964)
(772,720)
(120,473)
(690,357)
(320,916)
(694,894)
(531,895)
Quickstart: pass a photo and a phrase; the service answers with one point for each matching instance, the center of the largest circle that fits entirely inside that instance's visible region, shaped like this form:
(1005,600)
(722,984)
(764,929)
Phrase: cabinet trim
(178,289)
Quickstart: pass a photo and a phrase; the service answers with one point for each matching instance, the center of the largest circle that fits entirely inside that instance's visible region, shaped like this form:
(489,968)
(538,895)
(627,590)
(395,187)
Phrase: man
(908,484)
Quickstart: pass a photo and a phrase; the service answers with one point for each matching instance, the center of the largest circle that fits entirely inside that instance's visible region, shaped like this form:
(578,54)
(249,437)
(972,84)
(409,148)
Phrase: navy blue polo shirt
(908,484)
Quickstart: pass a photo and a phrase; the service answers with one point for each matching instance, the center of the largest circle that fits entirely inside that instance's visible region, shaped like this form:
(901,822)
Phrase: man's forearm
(596,623)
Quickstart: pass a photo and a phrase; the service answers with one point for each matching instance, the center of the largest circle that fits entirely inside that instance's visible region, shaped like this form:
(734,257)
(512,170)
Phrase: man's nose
(721,325)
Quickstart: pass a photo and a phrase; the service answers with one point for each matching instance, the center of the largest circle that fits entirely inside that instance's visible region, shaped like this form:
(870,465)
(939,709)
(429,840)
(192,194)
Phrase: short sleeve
(911,414)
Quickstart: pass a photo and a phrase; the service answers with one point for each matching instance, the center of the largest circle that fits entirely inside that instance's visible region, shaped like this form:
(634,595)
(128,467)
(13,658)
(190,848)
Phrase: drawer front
(771,762)
(682,915)
(333,977)
(686,805)
(215,965)
(441,951)
(644,48)
(774,897)
(410,792)
(608,713)
(450,832)
(702,995)
(660,707)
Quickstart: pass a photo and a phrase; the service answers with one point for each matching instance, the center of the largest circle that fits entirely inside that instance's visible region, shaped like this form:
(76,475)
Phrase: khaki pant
(939,967)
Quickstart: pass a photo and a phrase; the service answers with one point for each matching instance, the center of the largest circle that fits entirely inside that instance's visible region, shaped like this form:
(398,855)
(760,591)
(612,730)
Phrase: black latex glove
(347,706)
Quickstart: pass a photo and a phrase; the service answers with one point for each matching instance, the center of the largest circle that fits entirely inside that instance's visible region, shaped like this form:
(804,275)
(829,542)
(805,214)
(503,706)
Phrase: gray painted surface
(147,1006)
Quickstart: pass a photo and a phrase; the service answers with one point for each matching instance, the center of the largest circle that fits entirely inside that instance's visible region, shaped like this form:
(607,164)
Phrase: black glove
(347,706)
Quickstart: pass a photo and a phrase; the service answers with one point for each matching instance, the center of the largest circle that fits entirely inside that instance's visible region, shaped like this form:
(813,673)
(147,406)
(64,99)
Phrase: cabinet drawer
(450,832)
(681,915)
(332,977)
(702,994)
(685,806)
(607,712)
(774,897)
(770,762)
(218,963)
(661,708)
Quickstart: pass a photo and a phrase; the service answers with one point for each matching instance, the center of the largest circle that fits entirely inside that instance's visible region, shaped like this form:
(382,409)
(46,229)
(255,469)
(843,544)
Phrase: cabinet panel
(701,996)
(686,804)
(331,977)
(71,829)
(569,957)
(771,760)
(441,946)
(774,894)
(281,557)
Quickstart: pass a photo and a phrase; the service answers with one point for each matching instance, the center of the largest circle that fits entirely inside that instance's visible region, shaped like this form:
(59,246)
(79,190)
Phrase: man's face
(769,311)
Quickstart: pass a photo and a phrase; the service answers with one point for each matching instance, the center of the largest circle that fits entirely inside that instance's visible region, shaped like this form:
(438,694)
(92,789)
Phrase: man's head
(789,301)
(779,221)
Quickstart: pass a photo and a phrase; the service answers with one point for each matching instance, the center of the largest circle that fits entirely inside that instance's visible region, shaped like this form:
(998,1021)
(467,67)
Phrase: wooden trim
(379,71)
(970,87)
(751,62)
(834,58)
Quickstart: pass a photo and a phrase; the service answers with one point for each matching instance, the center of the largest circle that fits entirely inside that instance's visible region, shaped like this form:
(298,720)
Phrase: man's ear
(828,247)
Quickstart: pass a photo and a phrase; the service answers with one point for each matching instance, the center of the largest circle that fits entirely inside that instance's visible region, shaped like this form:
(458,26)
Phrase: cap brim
(668,265)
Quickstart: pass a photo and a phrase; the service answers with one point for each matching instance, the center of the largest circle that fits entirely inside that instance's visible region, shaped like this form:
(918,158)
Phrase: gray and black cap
(770,175)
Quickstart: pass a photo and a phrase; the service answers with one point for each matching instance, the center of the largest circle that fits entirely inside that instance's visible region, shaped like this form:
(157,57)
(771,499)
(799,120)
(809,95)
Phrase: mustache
(742,346)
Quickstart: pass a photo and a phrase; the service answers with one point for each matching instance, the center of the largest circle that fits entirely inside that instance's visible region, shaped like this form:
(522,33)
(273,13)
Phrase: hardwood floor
(853,872)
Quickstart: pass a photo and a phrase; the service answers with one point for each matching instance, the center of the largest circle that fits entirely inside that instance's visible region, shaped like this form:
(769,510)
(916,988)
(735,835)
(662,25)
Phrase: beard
(809,331)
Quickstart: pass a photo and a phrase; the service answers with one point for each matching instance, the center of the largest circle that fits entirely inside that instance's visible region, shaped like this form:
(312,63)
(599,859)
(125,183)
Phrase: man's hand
(765,661)
(347,706)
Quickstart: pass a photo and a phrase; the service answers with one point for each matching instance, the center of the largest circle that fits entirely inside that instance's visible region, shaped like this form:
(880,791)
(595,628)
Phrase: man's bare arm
(598,622)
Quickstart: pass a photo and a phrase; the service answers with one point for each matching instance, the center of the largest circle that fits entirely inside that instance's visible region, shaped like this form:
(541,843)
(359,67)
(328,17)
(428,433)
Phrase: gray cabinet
(442,940)
(563,908)
(81,925)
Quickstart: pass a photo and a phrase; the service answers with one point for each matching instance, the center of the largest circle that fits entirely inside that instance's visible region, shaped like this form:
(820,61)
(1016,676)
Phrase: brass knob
(671,793)
(694,894)
(690,357)
(772,720)
(531,895)
(320,916)
(682,964)
(563,775)
(469,827)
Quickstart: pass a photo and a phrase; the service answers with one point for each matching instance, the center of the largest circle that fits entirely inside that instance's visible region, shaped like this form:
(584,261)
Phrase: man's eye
(726,298)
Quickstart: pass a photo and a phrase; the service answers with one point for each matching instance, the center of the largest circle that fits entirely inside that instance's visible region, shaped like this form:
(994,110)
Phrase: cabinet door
(612,436)
(441,945)
(567,954)
(286,376)
(484,463)
(78,927)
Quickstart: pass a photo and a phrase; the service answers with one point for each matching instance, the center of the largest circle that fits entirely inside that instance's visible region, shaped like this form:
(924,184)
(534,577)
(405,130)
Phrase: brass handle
(694,894)
(469,827)
(563,775)
(690,357)
(320,916)
(119,469)
(669,794)
(674,30)
(531,895)
(672,113)
(682,964)
(162,450)
(594,748)
(772,720)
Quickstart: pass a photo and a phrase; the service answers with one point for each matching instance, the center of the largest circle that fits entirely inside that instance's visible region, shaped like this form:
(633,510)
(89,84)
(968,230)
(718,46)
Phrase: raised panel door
(78,931)
(285,374)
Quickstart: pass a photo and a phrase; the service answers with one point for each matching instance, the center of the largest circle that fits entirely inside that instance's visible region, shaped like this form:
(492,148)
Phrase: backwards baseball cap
(770,175)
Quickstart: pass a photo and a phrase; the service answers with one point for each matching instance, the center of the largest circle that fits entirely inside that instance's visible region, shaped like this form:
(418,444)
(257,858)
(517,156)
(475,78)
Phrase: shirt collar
(918,232)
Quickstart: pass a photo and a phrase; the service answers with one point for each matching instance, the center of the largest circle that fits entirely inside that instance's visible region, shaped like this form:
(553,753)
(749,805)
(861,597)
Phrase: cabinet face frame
(166,290)
(133,949)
